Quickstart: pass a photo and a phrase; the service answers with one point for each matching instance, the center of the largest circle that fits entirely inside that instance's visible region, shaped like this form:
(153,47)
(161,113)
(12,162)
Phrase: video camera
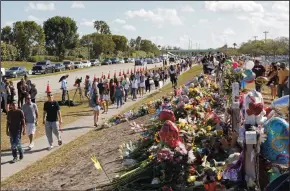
(78,81)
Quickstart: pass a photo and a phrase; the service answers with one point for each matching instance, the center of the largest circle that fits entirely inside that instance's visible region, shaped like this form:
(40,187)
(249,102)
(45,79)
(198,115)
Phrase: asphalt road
(41,82)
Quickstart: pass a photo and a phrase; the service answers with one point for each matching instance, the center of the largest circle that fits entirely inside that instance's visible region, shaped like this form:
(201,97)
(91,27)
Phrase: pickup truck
(43,67)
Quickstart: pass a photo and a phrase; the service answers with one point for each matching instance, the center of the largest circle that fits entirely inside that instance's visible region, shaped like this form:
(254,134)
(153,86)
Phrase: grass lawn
(62,155)
(9,64)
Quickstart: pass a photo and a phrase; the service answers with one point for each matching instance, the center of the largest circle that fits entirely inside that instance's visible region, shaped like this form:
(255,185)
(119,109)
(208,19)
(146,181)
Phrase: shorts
(30,128)
(97,108)
(106,97)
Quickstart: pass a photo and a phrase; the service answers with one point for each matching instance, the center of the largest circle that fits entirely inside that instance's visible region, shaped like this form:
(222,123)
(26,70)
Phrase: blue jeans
(134,93)
(15,141)
(282,90)
(119,100)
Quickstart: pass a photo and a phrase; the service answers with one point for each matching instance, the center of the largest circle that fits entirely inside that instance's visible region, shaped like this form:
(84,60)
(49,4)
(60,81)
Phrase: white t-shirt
(134,83)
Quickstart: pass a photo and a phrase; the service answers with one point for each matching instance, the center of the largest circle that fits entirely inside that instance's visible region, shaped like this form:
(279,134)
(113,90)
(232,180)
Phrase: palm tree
(235,45)
(97,25)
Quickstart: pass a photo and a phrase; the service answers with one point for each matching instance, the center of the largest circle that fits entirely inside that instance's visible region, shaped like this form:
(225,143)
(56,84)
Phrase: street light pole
(255,37)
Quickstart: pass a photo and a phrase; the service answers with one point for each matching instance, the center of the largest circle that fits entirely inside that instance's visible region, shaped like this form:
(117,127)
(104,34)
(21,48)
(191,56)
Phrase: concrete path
(97,71)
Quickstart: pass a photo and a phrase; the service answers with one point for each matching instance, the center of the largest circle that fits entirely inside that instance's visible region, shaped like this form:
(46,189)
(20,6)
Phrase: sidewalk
(70,133)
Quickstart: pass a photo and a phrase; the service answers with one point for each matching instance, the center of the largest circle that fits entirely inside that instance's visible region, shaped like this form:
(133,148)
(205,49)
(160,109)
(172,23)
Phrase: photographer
(64,88)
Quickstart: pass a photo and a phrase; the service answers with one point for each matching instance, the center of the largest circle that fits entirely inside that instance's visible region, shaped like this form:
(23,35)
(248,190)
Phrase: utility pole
(265,32)
(255,37)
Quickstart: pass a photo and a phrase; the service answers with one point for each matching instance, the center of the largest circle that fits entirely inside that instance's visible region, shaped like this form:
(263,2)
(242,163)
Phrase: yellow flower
(219,175)
(150,157)
(208,128)
(156,137)
(191,179)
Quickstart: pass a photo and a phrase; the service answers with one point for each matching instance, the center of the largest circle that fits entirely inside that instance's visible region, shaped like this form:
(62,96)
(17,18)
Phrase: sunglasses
(49,95)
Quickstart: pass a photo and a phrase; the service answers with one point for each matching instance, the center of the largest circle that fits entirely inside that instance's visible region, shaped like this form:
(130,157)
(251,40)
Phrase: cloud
(119,21)
(87,23)
(185,37)
(33,18)
(229,31)
(186,8)
(77,5)
(129,28)
(158,16)
(40,6)
(281,6)
(233,6)
(203,21)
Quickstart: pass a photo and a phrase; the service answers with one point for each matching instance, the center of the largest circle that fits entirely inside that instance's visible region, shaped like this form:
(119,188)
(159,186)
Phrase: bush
(51,58)
(8,52)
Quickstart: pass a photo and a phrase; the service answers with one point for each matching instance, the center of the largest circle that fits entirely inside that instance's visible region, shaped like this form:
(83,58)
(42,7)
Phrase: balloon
(261,80)
(281,104)
(249,64)
(235,65)
(249,76)
(275,148)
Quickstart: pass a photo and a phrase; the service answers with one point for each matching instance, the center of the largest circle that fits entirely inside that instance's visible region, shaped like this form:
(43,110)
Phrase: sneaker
(60,142)
(14,160)
(21,156)
(50,147)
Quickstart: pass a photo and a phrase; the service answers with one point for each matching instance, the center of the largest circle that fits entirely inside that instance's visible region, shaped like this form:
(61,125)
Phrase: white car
(78,64)
(86,63)
(121,61)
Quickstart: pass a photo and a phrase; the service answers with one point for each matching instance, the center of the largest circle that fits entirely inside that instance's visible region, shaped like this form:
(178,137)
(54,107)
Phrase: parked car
(171,59)
(59,67)
(140,62)
(69,65)
(121,61)
(86,63)
(43,67)
(15,72)
(149,61)
(114,60)
(132,60)
(78,64)
(95,62)
(107,62)
(127,60)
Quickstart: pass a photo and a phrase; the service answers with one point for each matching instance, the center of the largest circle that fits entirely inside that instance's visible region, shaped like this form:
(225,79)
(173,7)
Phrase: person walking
(106,97)
(101,87)
(156,79)
(126,85)
(8,95)
(88,86)
(147,83)
(95,103)
(259,70)
(30,111)
(22,91)
(142,84)
(64,89)
(134,83)
(119,93)
(33,93)
(52,120)
(28,83)
(273,80)
(15,128)
(112,91)
(283,75)
(12,91)
(173,77)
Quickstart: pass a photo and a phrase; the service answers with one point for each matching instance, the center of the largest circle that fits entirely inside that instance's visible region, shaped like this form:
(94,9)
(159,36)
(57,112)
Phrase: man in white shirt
(64,88)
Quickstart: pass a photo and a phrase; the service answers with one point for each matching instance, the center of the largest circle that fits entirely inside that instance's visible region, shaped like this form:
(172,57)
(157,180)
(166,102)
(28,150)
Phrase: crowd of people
(276,73)
(22,115)
(102,92)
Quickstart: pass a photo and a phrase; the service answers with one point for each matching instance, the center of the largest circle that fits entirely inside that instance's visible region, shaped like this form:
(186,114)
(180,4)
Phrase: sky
(207,24)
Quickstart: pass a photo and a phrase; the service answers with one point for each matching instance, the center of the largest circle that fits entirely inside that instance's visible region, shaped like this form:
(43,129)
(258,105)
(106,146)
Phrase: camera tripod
(79,90)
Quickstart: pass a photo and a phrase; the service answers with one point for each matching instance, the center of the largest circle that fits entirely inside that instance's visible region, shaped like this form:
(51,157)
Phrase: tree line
(58,39)
(268,47)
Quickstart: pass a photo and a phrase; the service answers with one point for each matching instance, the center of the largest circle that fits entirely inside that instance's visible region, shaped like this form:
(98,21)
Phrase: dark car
(115,60)
(16,71)
(59,67)
(140,62)
(150,61)
(43,67)
(107,62)
(171,59)
(69,65)
(127,60)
